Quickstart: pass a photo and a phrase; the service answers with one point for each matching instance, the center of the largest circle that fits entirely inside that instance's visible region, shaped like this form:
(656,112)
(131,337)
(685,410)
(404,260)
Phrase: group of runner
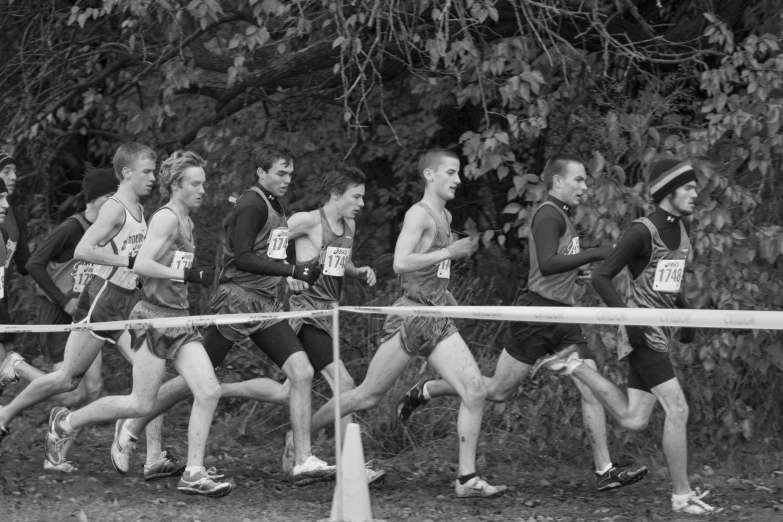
(108,264)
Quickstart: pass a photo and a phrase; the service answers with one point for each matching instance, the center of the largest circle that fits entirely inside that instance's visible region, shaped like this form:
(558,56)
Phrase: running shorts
(232,299)
(104,301)
(419,335)
(163,343)
(647,368)
(52,343)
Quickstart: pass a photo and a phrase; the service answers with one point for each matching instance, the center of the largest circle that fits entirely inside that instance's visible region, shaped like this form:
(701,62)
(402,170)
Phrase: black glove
(203,275)
(307,273)
(687,335)
(635,336)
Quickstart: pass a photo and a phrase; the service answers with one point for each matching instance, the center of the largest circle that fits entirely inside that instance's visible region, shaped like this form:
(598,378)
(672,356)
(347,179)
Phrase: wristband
(131,261)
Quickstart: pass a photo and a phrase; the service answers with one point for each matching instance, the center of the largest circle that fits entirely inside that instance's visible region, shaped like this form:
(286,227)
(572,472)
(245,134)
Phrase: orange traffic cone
(353,505)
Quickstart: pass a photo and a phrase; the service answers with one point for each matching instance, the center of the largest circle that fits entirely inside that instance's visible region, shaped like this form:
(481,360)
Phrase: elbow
(399,267)
(79,253)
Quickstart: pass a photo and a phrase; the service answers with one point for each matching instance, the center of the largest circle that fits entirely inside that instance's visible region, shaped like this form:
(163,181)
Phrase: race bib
(81,276)
(278,242)
(334,261)
(181,261)
(668,275)
(10,247)
(444,269)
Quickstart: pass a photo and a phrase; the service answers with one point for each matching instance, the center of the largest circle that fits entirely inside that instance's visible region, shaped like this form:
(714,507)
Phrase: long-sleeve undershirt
(59,247)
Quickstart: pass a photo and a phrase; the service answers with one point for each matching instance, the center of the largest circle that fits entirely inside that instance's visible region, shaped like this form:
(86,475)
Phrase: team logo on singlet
(573,248)
(132,243)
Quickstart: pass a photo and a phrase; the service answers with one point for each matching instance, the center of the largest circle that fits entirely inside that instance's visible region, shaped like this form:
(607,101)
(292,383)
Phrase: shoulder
(308,219)
(417,216)
(112,210)
(164,219)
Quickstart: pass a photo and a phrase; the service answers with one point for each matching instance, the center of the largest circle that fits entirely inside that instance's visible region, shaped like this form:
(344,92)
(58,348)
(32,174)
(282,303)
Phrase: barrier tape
(159,323)
(734,319)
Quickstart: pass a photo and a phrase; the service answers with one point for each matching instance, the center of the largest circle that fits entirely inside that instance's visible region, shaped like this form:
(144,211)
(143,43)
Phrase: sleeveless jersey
(557,287)
(126,242)
(72,276)
(169,293)
(429,285)
(658,284)
(11,226)
(3,258)
(270,244)
(334,256)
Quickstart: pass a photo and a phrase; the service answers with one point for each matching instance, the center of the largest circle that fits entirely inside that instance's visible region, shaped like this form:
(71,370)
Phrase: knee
(142,407)
(301,372)
(635,423)
(679,412)
(208,392)
(475,392)
(368,401)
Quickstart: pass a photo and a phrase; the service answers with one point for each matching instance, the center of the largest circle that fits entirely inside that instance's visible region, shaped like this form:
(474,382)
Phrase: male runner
(423,258)
(14,231)
(165,260)
(112,242)
(656,250)
(7,373)
(555,259)
(255,241)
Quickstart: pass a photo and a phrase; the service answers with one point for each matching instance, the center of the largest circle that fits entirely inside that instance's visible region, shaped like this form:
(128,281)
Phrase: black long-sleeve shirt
(22,254)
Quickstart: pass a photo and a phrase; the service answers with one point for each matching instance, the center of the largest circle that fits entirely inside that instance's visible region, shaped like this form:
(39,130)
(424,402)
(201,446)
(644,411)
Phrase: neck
(90,213)
(434,201)
(179,208)
(668,207)
(333,217)
(127,195)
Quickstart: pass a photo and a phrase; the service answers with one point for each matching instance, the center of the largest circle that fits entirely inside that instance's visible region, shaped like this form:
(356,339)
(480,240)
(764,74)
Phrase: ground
(418,487)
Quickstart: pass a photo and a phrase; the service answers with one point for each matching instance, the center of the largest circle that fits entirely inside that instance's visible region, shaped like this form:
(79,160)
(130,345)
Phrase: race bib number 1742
(668,275)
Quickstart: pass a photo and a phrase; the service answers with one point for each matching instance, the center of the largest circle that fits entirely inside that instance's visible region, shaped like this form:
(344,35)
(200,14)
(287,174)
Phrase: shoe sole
(209,494)
(52,417)
(117,428)
(494,495)
(619,485)
(401,405)
(553,357)
(169,474)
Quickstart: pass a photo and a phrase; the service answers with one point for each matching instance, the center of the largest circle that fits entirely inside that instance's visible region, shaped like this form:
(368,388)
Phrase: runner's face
(350,202)
(445,178)
(572,188)
(140,176)
(9,176)
(277,178)
(683,199)
(3,207)
(190,190)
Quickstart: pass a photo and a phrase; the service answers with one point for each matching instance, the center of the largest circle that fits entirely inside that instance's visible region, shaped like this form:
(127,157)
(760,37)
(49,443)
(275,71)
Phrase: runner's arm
(249,221)
(631,245)
(161,234)
(110,219)
(63,237)
(405,258)
(300,224)
(548,226)
(22,254)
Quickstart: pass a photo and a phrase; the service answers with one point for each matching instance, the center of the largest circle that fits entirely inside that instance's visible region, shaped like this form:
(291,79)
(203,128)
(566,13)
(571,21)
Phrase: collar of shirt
(269,195)
(664,220)
(562,206)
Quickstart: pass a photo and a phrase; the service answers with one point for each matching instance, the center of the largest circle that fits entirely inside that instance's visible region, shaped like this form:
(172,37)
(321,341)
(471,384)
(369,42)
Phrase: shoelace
(697,499)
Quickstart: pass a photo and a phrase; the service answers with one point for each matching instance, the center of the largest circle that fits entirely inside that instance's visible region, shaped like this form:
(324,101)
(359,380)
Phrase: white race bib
(278,242)
(334,261)
(81,276)
(10,247)
(668,275)
(444,269)
(181,261)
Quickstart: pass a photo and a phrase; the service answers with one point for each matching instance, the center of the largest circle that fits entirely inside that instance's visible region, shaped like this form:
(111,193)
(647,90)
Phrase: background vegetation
(374,83)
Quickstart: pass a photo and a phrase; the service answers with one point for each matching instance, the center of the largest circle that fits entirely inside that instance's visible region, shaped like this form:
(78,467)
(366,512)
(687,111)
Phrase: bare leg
(675,442)
(89,390)
(594,419)
(299,371)
(28,372)
(509,372)
(346,383)
(261,390)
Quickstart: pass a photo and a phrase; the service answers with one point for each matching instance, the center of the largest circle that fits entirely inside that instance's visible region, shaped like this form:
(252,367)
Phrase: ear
(260,172)
(428,174)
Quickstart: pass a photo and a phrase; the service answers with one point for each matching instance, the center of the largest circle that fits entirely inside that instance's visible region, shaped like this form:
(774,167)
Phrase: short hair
(431,158)
(556,166)
(129,153)
(266,154)
(339,179)
(173,169)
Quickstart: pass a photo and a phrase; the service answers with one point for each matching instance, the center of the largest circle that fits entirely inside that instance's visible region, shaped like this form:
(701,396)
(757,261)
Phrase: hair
(130,152)
(431,159)
(173,169)
(265,155)
(339,179)
(556,166)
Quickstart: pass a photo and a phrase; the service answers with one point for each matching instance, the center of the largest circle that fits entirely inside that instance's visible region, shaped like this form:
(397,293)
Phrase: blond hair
(173,169)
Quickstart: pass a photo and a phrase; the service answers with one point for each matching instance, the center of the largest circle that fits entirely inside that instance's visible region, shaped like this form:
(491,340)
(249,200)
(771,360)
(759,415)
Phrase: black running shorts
(647,368)
(103,301)
(232,299)
(315,332)
(52,343)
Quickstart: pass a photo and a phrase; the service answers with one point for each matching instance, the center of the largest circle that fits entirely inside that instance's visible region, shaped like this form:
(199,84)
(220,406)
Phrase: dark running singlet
(71,276)
(556,287)
(126,242)
(658,284)
(429,285)
(333,258)
(3,258)
(169,293)
(11,226)
(270,244)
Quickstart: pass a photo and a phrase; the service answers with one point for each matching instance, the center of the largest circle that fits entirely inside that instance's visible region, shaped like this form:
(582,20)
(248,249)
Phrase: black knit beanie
(667,175)
(6,159)
(99,182)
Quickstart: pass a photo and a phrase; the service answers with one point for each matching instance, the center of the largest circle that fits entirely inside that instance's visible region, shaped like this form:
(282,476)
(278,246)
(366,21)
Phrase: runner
(555,260)
(255,241)
(423,257)
(165,260)
(7,372)
(656,250)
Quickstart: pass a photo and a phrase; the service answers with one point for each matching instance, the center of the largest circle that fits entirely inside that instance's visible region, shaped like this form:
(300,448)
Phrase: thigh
(81,350)
(194,365)
(509,372)
(670,395)
(148,373)
(641,403)
(385,367)
(452,360)
(216,346)
(94,375)
(317,344)
(278,342)
(124,346)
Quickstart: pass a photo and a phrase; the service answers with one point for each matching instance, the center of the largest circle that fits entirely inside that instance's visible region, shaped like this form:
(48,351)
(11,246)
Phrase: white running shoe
(7,371)
(311,470)
(694,505)
(478,488)
(123,447)
(65,467)
(374,476)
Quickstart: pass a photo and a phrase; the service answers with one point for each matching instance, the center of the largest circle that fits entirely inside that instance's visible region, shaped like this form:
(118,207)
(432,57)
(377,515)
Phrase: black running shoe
(413,398)
(4,432)
(620,475)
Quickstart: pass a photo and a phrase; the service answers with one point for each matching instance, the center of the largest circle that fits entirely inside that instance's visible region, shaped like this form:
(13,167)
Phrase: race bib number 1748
(334,261)
(278,242)
(668,275)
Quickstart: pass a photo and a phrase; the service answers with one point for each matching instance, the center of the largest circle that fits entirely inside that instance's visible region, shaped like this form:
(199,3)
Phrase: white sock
(607,468)
(66,424)
(680,499)
(572,362)
(194,470)
(426,392)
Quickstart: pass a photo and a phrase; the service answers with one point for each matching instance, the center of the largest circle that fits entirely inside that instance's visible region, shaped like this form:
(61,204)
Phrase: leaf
(776,354)
(501,240)
(338,41)
(512,208)
(597,164)
(486,237)
(620,173)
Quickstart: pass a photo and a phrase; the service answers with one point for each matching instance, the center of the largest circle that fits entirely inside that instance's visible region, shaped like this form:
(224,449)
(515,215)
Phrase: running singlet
(270,244)
(169,293)
(3,258)
(333,258)
(557,287)
(126,242)
(71,276)
(429,285)
(12,227)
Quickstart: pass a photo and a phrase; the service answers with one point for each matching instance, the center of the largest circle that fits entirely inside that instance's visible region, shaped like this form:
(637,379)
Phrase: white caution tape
(750,319)
(160,323)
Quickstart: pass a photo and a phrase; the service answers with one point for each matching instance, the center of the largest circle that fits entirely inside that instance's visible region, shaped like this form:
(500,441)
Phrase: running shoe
(4,432)
(374,476)
(620,475)
(166,466)
(556,361)
(7,372)
(65,467)
(694,505)
(311,470)
(123,447)
(478,488)
(202,484)
(413,398)
(56,436)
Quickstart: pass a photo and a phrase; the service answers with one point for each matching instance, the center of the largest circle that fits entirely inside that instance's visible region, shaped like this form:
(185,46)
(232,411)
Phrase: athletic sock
(194,470)
(425,392)
(465,478)
(607,468)
(680,499)
(572,362)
